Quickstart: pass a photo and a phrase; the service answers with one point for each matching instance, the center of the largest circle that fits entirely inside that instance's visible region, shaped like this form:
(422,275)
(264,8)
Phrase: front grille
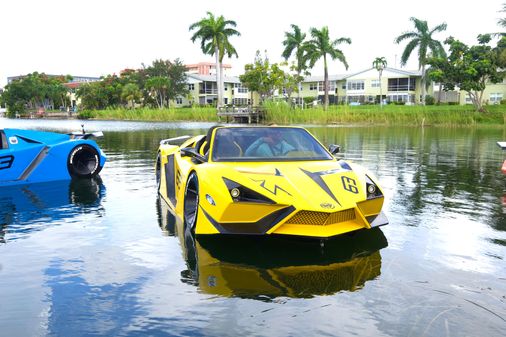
(321,218)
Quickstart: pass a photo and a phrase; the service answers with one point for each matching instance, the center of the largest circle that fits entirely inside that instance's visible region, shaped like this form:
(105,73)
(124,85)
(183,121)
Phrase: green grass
(450,115)
(281,113)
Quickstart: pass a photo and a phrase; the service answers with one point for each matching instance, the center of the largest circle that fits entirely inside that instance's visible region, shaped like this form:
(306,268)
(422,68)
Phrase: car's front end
(313,199)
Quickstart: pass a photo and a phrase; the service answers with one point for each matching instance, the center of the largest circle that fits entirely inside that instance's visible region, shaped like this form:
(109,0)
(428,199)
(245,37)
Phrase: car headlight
(372,189)
(239,193)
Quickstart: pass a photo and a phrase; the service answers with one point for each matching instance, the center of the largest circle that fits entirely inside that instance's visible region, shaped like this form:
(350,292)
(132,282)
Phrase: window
(240,88)
(355,85)
(401,84)
(191,87)
(240,101)
(179,100)
(495,98)
(313,86)
(375,84)
(332,85)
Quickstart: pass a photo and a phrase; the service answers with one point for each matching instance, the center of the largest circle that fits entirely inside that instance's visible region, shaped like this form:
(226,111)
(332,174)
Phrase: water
(104,258)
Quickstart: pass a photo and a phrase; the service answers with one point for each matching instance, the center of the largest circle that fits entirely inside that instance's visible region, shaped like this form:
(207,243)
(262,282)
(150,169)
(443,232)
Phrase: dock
(241,114)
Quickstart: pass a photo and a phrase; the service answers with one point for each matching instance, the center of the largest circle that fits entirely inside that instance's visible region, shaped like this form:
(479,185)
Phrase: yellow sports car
(255,180)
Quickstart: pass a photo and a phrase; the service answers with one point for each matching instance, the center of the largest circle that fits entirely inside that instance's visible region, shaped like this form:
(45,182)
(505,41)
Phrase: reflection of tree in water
(437,170)
(28,208)
(265,267)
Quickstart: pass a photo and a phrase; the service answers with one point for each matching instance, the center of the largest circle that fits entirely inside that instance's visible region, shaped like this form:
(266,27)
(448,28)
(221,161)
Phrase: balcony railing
(402,87)
(208,91)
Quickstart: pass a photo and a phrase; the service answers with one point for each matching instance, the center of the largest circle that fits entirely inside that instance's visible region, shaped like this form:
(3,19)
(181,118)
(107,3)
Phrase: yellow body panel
(326,190)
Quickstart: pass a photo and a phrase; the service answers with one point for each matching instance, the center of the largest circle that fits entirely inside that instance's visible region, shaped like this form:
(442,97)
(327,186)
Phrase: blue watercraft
(31,156)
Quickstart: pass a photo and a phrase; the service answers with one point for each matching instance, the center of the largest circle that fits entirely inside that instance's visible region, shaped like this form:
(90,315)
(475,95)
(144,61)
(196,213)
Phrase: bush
(86,114)
(429,100)
(503,101)
(309,100)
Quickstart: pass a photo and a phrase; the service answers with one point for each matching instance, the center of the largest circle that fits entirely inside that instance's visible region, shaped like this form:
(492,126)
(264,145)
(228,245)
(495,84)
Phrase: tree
(214,33)
(469,68)
(263,77)
(294,42)
(158,87)
(379,64)
(422,38)
(131,94)
(319,47)
(165,80)
(32,91)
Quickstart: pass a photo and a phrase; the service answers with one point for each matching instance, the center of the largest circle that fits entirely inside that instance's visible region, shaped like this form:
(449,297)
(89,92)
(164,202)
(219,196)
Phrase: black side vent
(170,179)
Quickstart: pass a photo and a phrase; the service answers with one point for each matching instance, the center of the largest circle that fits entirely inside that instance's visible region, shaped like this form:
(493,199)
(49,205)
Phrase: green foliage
(265,78)
(470,68)
(392,114)
(309,100)
(294,43)
(321,46)
(33,91)
(429,100)
(422,39)
(156,85)
(86,114)
(214,33)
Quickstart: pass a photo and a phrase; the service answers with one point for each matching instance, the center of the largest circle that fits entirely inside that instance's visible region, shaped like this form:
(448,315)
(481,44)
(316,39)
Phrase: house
(494,93)
(203,90)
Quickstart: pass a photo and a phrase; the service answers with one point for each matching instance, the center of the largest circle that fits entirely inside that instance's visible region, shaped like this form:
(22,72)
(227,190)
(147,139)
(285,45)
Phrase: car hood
(318,185)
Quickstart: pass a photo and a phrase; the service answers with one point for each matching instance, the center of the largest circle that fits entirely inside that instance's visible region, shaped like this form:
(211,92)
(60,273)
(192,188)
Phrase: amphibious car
(256,180)
(31,156)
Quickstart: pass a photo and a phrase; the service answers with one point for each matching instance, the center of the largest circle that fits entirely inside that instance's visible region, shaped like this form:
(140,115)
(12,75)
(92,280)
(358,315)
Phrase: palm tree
(213,33)
(379,64)
(421,37)
(502,22)
(320,46)
(295,42)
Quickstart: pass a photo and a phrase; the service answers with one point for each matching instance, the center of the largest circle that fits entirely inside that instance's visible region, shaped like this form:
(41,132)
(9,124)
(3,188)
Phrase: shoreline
(366,115)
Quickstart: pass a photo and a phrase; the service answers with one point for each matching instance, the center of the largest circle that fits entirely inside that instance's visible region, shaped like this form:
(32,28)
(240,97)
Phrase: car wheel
(191,201)
(83,162)
(158,171)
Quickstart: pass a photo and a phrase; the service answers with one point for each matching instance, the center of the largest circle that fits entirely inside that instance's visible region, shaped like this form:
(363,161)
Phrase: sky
(100,37)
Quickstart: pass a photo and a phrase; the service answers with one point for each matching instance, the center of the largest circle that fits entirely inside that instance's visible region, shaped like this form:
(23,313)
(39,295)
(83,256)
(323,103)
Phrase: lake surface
(105,258)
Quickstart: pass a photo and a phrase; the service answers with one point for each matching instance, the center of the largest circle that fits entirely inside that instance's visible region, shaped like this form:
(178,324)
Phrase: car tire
(83,162)
(191,202)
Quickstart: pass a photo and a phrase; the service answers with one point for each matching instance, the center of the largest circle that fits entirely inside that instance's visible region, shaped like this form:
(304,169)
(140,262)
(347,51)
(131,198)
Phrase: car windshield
(266,144)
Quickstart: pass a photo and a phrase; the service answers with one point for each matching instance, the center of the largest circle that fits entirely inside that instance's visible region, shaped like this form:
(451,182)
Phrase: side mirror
(334,149)
(192,152)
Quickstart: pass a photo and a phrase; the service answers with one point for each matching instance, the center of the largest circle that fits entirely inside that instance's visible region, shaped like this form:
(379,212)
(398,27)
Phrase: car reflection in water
(28,208)
(266,267)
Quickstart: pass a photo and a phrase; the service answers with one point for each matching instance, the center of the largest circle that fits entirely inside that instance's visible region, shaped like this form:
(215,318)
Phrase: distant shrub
(503,101)
(429,100)
(309,100)
(86,114)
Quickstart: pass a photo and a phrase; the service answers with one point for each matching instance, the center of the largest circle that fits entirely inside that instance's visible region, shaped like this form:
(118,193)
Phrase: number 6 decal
(349,184)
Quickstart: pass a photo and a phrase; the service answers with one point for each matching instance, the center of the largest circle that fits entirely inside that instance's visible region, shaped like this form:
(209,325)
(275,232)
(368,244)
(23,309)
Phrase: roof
(393,70)
(337,77)
(212,78)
